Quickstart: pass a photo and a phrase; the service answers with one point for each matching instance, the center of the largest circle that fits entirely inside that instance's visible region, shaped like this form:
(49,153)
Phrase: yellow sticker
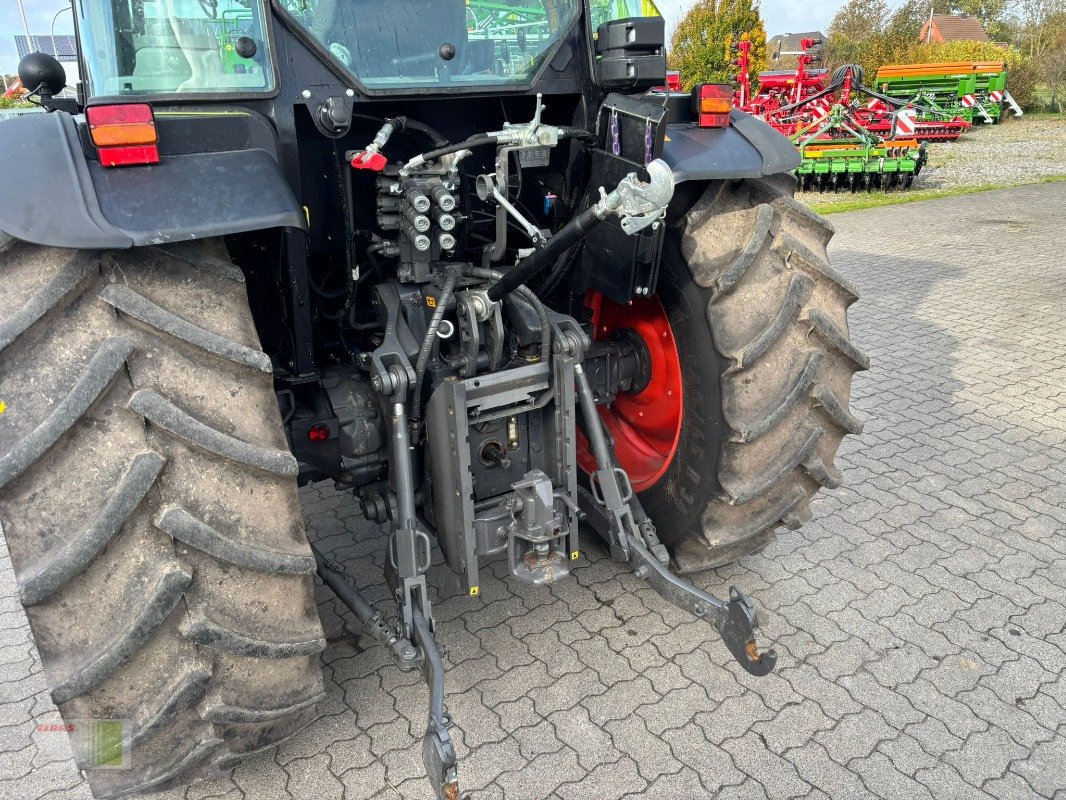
(431,301)
(574,556)
(474,591)
(666,139)
(3,406)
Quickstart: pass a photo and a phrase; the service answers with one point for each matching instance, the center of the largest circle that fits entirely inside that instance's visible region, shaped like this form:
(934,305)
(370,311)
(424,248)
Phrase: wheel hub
(645,421)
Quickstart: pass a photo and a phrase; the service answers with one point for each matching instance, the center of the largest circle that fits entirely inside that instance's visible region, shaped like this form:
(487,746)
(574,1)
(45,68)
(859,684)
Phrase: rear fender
(55,195)
(748,148)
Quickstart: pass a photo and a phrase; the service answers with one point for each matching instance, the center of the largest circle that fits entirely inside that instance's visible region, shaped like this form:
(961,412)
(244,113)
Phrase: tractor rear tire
(760,321)
(149,501)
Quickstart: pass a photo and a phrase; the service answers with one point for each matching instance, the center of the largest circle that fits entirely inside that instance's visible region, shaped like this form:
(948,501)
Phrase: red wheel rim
(646,426)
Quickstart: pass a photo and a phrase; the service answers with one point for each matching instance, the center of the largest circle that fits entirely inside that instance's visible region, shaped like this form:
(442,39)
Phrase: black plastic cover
(52,195)
(631,72)
(630,133)
(748,148)
(631,53)
(632,34)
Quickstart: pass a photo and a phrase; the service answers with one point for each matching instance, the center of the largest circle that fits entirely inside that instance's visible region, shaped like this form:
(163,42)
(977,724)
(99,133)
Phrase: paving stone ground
(919,619)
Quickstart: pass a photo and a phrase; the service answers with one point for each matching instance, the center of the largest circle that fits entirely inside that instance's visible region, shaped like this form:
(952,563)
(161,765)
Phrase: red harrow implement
(789,99)
(885,119)
(778,88)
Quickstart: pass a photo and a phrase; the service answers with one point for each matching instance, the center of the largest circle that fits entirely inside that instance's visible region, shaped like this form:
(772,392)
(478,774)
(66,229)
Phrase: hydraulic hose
(440,152)
(569,235)
(408,124)
(484,274)
(478,141)
(451,275)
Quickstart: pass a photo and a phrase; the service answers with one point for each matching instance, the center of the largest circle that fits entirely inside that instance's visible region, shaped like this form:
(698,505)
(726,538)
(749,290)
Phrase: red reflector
(673,81)
(714,121)
(126,114)
(318,433)
(129,156)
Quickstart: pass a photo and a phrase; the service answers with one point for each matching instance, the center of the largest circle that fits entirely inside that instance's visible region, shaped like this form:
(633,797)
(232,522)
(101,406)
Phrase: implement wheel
(148,498)
(747,403)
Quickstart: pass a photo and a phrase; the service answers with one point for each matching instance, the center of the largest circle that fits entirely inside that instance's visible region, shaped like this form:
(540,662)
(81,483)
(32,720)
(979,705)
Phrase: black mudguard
(748,148)
(54,195)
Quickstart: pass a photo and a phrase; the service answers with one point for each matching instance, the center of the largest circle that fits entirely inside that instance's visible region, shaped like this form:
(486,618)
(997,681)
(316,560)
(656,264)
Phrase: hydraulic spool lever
(735,619)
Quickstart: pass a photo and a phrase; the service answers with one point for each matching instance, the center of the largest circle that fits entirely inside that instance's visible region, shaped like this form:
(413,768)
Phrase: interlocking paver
(919,618)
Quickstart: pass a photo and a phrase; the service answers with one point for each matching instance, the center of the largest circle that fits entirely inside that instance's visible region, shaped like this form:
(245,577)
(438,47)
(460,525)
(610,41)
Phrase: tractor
(461,259)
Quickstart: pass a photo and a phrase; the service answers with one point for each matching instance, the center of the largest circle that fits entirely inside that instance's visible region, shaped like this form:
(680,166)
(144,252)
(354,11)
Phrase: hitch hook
(738,633)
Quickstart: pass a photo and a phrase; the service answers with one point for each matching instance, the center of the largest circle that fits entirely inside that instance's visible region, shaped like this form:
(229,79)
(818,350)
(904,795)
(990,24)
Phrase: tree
(860,19)
(703,47)
(1040,23)
(1051,69)
(904,27)
(857,35)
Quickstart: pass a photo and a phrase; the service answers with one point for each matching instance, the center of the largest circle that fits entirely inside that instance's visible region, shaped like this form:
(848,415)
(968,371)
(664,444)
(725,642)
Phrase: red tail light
(124,134)
(711,102)
(319,432)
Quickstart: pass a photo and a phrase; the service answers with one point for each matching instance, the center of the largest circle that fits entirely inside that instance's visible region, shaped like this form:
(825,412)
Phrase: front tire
(760,321)
(149,501)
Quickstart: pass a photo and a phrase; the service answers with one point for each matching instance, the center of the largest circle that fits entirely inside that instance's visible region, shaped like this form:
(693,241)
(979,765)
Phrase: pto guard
(56,197)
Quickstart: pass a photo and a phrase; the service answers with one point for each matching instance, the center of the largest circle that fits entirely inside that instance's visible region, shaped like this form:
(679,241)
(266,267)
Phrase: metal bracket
(487,187)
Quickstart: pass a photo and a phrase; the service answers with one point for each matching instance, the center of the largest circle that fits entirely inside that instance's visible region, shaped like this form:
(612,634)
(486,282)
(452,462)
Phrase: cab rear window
(193,47)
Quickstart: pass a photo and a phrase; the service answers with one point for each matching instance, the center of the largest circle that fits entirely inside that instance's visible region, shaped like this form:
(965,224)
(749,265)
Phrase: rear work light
(711,103)
(124,135)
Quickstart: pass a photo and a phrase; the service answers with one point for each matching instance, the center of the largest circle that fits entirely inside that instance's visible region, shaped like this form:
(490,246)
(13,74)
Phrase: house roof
(952,27)
(789,43)
(64,48)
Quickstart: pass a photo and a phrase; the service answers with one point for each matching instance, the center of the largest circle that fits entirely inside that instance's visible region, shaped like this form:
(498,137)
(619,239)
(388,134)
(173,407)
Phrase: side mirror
(42,74)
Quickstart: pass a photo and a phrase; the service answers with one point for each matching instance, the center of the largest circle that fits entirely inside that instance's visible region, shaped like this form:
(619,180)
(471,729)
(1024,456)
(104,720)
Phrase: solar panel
(64,47)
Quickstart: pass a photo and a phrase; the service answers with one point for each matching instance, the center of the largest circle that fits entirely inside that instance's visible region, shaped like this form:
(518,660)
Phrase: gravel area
(1017,151)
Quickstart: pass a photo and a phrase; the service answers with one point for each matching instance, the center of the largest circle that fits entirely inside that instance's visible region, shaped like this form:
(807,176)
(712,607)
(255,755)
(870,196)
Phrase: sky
(781,16)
